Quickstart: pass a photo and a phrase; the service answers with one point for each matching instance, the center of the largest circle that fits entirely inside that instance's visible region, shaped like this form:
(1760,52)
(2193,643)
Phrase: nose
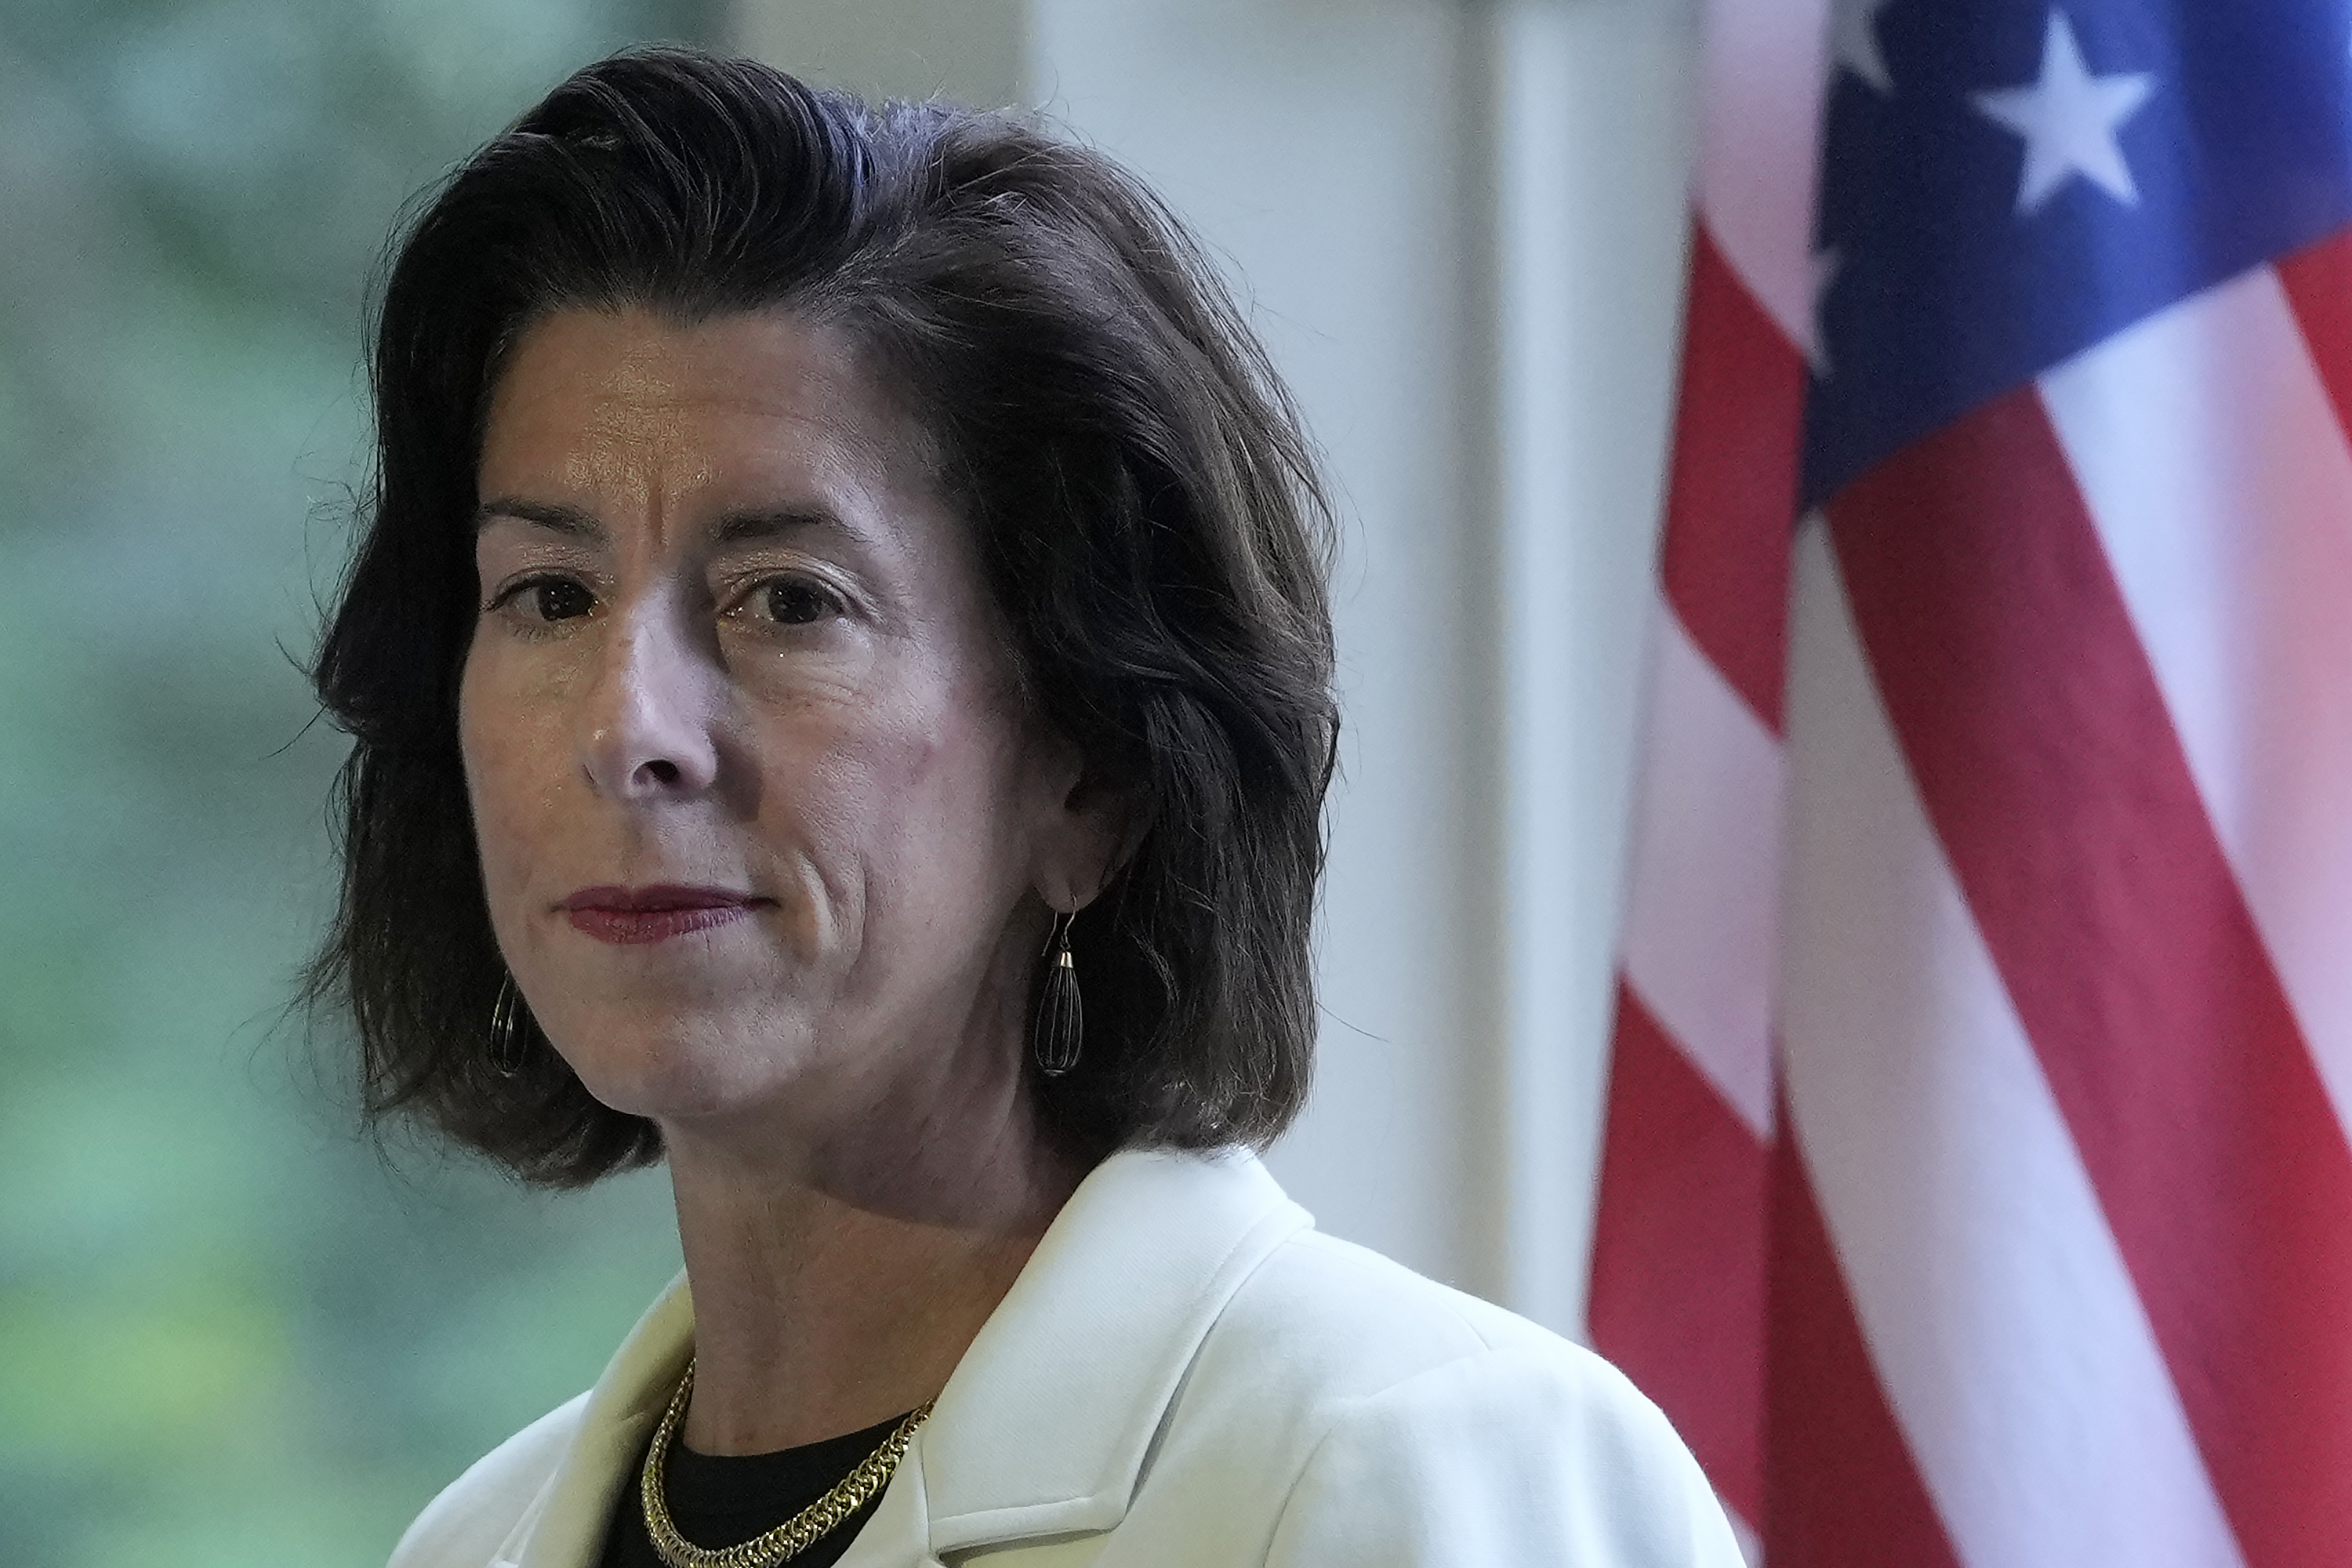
(646,734)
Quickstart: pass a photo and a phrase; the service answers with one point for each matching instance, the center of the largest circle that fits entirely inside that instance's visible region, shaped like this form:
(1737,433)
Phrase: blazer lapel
(1044,1427)
(564,1526)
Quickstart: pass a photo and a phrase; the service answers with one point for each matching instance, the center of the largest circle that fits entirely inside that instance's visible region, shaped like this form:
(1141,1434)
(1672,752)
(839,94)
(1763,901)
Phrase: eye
(549,598)
(794,601)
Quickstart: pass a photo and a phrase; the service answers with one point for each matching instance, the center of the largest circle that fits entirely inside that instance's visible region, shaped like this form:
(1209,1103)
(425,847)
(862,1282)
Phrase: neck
(838,1287)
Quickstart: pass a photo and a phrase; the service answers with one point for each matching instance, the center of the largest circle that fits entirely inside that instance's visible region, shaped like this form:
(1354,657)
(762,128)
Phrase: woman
(840,675)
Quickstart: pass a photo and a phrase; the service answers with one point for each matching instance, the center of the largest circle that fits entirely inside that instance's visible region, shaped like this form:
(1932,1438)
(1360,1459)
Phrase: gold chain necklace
(788,1539)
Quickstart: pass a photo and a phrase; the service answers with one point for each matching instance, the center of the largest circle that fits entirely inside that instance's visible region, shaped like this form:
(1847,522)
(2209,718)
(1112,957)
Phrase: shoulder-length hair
(1147,510)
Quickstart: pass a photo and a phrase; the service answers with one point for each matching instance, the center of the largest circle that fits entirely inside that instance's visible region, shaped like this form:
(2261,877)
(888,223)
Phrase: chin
(674,1070)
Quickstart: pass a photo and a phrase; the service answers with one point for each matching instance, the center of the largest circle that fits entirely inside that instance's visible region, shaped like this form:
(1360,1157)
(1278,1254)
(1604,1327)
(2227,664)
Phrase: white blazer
(1185,1375)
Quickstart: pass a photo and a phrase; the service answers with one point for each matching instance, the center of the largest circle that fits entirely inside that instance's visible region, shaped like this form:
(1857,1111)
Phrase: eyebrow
(569,521)
(734,530)
(742,529)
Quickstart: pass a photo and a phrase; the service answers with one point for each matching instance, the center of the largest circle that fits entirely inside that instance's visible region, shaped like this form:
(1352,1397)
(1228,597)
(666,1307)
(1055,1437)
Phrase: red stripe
(1731,498)
(2042,749)
(1844,1490)
(1678,1253)
(2318,282)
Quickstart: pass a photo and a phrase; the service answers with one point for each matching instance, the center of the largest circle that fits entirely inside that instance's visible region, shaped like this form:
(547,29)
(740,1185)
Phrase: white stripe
(1760,74)
(2008,1335)
(1700,913)
(1751,1548)
(2205,445)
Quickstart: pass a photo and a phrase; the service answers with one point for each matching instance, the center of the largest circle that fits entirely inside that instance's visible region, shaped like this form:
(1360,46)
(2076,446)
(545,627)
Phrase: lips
(634,916)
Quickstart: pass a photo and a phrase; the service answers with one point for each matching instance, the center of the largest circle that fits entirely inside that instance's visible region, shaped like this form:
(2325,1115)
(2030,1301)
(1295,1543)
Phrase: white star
(1823,268)
(2069,119)
(1855,43)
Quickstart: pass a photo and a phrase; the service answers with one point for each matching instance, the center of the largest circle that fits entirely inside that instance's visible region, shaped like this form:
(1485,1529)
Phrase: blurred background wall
(233,1330)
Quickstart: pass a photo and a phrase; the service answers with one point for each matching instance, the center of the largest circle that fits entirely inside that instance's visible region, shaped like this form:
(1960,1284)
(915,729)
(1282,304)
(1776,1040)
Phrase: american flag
(1975,1186)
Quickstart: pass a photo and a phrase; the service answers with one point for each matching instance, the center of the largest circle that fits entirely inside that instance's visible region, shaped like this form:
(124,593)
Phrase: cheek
(514,760)
(937,799)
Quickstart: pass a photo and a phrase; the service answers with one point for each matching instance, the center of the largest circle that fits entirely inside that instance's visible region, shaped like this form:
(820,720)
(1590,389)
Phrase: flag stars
(2068,119)
(1853,42)
(1823,271)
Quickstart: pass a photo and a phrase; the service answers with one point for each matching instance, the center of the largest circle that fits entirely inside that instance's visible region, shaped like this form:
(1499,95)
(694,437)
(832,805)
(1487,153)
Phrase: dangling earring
(508,1020)
(1061,1026)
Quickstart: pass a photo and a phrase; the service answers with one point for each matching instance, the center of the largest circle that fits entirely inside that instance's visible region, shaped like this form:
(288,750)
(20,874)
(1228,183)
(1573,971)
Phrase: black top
(722,1502)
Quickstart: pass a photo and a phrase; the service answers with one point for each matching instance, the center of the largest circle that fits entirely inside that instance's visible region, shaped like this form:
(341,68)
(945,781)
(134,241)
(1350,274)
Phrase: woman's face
(764,824)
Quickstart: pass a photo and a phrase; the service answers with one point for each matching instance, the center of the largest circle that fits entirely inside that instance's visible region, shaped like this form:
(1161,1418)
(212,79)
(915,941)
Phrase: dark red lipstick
(638,915)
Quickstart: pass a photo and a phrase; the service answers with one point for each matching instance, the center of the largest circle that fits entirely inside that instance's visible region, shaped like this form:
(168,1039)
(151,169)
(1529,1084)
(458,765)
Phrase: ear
(1088,833)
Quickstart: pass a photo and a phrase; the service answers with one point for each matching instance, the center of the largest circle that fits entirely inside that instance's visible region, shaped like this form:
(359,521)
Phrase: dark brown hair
(1149,515)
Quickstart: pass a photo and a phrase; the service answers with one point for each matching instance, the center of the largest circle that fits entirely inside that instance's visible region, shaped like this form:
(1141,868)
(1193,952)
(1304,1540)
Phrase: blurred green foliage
(233,1330)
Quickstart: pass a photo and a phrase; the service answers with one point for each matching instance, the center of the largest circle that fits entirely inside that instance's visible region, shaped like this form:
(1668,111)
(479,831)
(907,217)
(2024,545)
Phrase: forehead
(629,398)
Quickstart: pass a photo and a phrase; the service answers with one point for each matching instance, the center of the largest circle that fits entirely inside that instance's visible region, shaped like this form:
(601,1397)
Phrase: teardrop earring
(510,1020)
(1060,1030)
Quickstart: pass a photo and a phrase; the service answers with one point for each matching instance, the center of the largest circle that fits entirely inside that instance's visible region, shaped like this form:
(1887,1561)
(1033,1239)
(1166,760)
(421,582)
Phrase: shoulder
(1341,1322)
(467,1525)
(1410,1422)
